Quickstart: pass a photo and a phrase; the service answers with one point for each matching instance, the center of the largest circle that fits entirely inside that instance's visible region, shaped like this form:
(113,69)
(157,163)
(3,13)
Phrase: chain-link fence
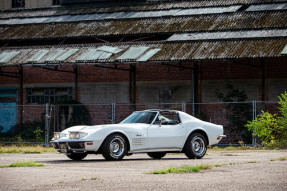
(37,123)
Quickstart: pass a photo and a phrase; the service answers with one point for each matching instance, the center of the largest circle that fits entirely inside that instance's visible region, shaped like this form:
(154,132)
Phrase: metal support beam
(179,65)
(54,69)
(134,69)
(76,71)
(21,94)
(263,79)
(113,68)
(195,88)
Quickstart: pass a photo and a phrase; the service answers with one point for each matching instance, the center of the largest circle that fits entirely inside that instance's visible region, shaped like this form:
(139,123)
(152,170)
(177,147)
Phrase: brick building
(142,51)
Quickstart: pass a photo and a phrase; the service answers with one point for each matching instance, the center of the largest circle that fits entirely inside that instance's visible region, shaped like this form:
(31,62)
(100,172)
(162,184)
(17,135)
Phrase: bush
(272,129)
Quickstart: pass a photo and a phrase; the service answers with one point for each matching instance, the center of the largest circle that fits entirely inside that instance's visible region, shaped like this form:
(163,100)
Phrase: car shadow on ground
(103,160)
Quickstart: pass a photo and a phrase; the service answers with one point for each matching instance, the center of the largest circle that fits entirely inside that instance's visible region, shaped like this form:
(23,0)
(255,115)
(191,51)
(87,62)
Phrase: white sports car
(155,132)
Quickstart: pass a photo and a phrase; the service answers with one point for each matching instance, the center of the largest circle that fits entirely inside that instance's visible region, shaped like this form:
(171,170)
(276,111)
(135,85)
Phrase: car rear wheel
(115,147)
(77,156)
(156,155)
(196,146)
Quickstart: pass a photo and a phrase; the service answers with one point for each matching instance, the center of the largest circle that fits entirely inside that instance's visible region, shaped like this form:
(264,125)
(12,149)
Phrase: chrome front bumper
(71,146)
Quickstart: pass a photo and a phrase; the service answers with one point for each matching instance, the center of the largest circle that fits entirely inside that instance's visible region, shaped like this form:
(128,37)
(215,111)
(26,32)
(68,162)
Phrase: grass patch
(252,161)
(37,149)
(184,169)
(23,164)
(279,159)
(218,165)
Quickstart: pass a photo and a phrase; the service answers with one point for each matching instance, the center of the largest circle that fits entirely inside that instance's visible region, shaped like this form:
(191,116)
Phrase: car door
(166,134)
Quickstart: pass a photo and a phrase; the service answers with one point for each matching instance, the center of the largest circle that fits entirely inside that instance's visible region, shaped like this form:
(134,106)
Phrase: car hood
(93,128)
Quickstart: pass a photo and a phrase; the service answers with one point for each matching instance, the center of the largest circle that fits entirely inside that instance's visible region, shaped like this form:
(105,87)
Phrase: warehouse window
(18,3)
(48,95)
(56,2)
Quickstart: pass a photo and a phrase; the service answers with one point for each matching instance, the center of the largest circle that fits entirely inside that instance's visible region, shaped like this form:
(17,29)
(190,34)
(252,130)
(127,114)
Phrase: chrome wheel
(198,146)
(114,147)
(195,146)
(117,147)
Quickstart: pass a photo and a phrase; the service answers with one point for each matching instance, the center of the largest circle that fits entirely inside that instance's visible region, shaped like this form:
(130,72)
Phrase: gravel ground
(240,170)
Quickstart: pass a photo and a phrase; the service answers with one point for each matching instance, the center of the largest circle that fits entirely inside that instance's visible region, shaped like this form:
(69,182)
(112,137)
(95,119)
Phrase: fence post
(253,118)
(113,113)
(47,123)
(183,106)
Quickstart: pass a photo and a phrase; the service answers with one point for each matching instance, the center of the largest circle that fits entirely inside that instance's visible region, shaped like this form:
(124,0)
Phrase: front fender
(100,136)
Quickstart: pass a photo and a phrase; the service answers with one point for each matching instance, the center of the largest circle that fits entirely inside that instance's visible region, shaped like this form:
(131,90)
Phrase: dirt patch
(234,170)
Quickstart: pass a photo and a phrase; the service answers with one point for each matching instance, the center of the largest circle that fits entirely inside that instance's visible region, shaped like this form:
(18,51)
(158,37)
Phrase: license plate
(63,148)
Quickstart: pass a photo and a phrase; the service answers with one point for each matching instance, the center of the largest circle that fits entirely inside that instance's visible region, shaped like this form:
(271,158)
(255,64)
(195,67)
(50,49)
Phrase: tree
(272,128)
(238,113)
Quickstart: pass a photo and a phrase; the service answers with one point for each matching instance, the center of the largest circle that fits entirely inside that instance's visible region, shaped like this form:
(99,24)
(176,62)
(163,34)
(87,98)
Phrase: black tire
(196,146)
(114,147)
(77,156)
(156,155)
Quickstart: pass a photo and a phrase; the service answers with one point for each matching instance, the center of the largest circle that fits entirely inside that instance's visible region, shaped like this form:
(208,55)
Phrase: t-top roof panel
(38,56)
(7,56)
(148,55)
(67,54)
(133,53)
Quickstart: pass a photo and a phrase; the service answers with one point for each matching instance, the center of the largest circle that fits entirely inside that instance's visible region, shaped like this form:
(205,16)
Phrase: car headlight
(58,135)
(77,135)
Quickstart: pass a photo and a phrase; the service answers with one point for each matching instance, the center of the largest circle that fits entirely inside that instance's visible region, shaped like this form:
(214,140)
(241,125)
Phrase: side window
(168,118)
(18,3)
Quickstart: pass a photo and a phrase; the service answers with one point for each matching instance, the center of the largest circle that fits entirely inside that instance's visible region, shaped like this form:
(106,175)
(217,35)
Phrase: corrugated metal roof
(91,54)
(235,21)
(284,51)
(119,15)
(101,53)
(110,49)
(267,7)
(38,56)
(7,56)
(67,54)
(148,54)
(55,55)
(229,35)
(141,14)
(165,51)
(160,5)
(133,53)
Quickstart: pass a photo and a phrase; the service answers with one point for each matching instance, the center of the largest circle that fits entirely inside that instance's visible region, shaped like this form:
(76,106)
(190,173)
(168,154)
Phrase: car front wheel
(115,147)
(77,156)
(196,146)
(156,155)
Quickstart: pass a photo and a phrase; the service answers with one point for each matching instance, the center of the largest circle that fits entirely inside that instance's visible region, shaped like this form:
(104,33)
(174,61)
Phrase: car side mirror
(158,122)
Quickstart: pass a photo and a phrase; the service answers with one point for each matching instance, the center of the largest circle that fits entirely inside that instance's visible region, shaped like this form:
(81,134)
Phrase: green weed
(37,149)
(23,164)
(251,161)
(279,159)
(184,169)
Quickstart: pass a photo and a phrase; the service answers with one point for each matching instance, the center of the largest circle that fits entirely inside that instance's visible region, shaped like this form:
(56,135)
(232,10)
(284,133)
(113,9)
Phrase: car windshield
(140,117)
